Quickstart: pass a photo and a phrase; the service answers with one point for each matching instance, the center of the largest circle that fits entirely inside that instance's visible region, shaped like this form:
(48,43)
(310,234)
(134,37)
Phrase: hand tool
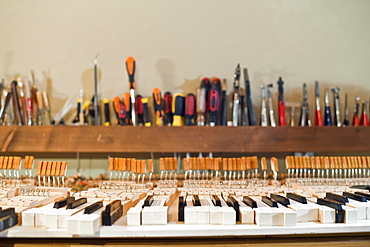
(206,83)
(157,105)
(356,111)
(27,92)
(263,107)
(243,116)
(178,109)
(282,120)
(292,106)
(120,110)
(201,104)
(16,103)
(2,85)
(236,96)
(146,112)
(304,119)
(96,99)
(364,120)
(127,101)
(248,93)
(346,118)
(318,116)
(22,100)
(80,109)
(271,106)
(40,108)
(139,110)
(68,105)
(4,106)
(214,101)
(34,100)
(46,103)
(167,108)
(106,112)
(190,109)
(223,105)
(327,114)
(130,66)
(335,92)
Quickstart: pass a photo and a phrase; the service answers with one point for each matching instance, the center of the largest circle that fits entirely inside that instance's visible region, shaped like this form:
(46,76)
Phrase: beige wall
(176,43)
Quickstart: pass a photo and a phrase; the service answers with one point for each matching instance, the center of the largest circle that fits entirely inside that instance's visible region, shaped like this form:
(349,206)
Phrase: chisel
(96,98)
(201,105)
(304,119)
(356,110)
(4,106)
(46,103)
(263,107)
(364,120)
(130,66)
(236,97)
(189,109)
(318,116)
(251,116)
(22,100)
(327,114)
(139,110)
(335,92)
(282,119)
(243,116)
(157,105)
(16,103)
(167,108)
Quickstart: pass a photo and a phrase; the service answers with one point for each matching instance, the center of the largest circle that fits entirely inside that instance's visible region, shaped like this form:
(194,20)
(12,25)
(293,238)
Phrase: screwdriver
(346,119)
(207,85)
(189,109)
(167,108)
(120,110)
(270,105)
(22,100)
(146,112)
(27,89)
(46,105)
(248,93)
(16,103)
(214,101)
(130,66)
(243,117)
(157,105)
(355,119)
(127,102)
(178,109)
(282,119)
(139,110)
(318,116)
(364,120)
(223,106)
(305,120)
(335,92)
(201,104)
(106,112)
(263,107)
(236,97)
(327,114)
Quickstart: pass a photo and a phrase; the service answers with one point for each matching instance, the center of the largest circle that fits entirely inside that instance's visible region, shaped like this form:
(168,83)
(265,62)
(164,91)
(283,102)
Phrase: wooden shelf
(128,139)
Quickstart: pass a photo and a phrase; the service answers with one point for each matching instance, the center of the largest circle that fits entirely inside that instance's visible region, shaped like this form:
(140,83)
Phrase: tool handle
(178,109)
(189,109)
(16,103)
(364,120)
(201,105)
(355,121)
(127,102)
(146,112)
(282,119)
(139,109)
(130,67)
(157,105)
(327,116)
(167,108)
(214,103)
(318,118)
(106,112)
(223,105)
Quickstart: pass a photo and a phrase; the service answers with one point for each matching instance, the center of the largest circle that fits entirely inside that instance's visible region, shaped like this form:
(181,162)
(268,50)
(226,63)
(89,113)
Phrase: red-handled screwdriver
(189,109)
(282,119)
(167,108)
(214,101)
(139,110)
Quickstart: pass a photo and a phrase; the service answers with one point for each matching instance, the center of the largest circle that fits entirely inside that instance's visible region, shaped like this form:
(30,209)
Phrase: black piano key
(234,204)
(336,197)
(93,207)
(196,201)
(216,200)
(76,203)
(339,212)
(297,198)
(250,202)
(8,218)
(280,199)
(181,211)
(366,195)
(113,211)
(271,202)
(353,196)
(63,202)
(148,201)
